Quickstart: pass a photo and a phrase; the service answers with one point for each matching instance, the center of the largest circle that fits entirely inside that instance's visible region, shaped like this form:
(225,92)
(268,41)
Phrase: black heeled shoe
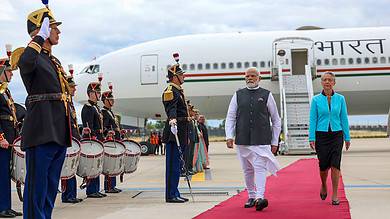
(335,202)
(323,196)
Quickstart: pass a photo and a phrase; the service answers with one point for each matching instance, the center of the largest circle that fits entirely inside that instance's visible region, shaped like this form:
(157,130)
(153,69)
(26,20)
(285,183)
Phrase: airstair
(294,69)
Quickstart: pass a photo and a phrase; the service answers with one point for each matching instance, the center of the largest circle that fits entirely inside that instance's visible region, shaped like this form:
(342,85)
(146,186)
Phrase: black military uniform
(8,131)
(70,193)
(93,119)
(46,129)
(91,115)
(110,123)
(175,108)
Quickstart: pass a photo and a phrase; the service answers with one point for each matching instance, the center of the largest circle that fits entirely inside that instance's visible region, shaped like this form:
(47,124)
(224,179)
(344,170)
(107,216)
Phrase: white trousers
(256,161)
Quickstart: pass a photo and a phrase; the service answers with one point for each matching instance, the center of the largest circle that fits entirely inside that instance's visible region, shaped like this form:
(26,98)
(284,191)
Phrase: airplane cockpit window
(358,60)
(223,65)
(200,66)
(350,61)
(215,66)
(383,60)
(231,65)
(91,69)
(254,64)
(334,61)
(366,60)
(184,66)
(374,60)
(342,61)
(207,66)
(192,67)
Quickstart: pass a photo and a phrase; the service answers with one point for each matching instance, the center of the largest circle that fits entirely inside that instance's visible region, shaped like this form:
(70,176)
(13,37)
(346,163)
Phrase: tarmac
(365,169)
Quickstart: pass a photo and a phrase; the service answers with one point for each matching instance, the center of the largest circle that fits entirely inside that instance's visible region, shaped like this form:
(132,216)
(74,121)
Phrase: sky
(92,28)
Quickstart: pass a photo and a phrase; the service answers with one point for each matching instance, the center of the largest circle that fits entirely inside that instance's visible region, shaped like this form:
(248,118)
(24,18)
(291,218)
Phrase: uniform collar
(106,108)
(92,103)
(46,51)
(175,85)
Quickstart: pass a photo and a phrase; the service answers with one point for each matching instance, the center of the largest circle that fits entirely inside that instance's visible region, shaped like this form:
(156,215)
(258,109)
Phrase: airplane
(215,65)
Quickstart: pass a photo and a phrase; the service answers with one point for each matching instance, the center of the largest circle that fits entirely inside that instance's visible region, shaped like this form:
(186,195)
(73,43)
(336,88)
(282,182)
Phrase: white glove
(44,32)
(172,122)
(174,129)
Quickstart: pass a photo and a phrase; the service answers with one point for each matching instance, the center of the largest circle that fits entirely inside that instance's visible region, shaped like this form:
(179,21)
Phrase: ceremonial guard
(46,130)
(70,193)
(8,133)
(175,126)
(248,121)
(93,128)
(112,129)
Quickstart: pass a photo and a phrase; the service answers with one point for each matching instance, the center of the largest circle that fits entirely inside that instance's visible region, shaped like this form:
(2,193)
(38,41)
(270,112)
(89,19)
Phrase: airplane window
(246,64)
(184,66)
(358,61)
(239,65)
(342,61)
(223,65)
(262,64)
(383,60)
(269,63)
(389,60)
(319,62)
(254,64)
(366,60)
(350,61)
(374,60)
(231,65)
(192,67)
(207,66)
(326,61)
(286,61)
(334,62)
(215,66)
(200,66)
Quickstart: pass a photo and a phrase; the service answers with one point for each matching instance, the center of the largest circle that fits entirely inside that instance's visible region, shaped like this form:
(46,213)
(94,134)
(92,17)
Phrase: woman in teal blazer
(328,130)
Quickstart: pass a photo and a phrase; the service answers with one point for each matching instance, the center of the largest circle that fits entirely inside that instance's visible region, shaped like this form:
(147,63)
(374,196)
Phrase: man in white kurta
(247,122)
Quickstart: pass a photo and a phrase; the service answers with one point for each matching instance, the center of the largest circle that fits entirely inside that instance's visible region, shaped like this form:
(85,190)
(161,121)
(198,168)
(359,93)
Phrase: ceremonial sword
(184,164)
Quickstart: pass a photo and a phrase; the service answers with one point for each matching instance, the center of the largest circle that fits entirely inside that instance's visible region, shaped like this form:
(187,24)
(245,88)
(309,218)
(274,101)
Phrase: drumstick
(114,136)
(89,134)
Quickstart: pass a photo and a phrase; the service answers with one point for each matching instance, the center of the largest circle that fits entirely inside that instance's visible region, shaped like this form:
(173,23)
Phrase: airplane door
(293,54)
(149,70)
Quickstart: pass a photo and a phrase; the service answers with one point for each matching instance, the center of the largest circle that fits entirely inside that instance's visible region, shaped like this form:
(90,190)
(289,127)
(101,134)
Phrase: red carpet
(293,194)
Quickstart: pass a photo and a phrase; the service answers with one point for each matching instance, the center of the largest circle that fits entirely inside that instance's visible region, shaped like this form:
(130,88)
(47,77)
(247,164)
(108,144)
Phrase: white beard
(252,85)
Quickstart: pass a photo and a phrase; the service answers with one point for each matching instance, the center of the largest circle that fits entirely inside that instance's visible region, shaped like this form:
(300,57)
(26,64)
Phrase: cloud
(93,28)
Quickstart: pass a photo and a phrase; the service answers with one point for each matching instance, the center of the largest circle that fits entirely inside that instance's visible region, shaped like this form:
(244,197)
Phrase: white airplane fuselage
(360,58)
